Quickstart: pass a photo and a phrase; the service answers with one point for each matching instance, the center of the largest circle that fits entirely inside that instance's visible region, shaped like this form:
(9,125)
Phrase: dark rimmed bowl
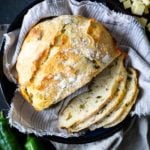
(6,85)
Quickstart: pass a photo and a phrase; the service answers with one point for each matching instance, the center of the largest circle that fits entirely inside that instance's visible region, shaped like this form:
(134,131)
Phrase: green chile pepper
(32,143)
(8,140)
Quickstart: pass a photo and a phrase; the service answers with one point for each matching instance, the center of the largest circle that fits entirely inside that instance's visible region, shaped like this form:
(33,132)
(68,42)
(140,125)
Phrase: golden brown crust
(61,55)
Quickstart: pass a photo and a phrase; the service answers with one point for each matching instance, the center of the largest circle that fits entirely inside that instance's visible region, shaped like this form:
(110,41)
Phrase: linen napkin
(130,37)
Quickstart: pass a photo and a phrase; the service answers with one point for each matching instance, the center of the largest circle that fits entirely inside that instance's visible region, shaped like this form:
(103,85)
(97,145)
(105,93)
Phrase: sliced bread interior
(127,105)
(119,114)
(101,91)
(109,107)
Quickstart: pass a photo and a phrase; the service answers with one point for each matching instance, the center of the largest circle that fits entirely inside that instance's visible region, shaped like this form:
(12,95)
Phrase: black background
(10,8)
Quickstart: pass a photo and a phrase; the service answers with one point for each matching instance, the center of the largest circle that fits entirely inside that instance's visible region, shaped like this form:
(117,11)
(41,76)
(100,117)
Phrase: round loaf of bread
(60,55)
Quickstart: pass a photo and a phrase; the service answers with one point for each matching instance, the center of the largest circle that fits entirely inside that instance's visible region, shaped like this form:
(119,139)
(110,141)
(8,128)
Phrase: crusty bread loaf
(118,114)
(88,104)
(60,55)
(110,105)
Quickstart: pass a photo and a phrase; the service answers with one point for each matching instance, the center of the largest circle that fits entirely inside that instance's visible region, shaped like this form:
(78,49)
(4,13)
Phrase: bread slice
(61,55)
(89,103)
(108,108)
(124,107)
(124,113)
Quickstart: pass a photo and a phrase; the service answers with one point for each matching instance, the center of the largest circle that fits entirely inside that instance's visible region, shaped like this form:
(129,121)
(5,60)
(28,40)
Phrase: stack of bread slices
(109,100)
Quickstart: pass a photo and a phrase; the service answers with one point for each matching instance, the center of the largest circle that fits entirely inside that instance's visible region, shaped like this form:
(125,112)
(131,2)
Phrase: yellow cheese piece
(137,8)
(127,4)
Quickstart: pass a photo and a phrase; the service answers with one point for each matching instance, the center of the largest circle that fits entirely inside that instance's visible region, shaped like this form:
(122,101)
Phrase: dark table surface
(10,8)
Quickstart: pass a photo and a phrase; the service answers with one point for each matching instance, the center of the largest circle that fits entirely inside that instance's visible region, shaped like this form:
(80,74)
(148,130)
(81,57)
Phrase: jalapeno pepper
(32,143)
(8,140)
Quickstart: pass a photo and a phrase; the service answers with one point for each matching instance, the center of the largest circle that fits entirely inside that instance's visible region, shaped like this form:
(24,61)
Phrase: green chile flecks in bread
(102,91)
